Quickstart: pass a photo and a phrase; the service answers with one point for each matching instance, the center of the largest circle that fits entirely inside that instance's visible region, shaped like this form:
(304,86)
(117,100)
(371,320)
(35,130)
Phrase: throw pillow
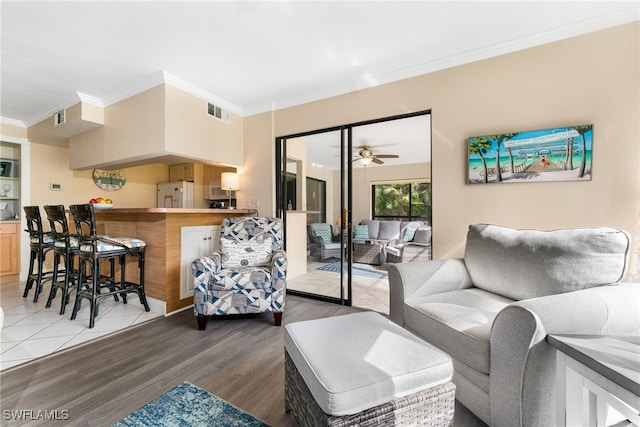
(239,253)
(409,232)
(362,232)
(325,235)
(422,235)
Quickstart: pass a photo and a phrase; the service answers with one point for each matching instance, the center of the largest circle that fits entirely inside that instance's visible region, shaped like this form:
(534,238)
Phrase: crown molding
(12,122)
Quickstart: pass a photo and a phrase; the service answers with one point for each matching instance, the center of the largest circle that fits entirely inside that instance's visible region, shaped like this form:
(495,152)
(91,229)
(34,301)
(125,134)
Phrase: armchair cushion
(325,235)
(245,253)
(523,264)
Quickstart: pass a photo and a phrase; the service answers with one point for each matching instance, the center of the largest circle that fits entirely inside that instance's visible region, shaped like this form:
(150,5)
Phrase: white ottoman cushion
(358,361)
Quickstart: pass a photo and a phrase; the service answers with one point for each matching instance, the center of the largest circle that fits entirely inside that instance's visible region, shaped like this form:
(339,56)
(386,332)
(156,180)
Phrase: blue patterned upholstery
(238,281)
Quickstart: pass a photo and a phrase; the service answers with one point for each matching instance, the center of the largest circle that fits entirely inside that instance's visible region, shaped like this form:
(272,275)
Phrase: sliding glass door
(325,188)
(313,199)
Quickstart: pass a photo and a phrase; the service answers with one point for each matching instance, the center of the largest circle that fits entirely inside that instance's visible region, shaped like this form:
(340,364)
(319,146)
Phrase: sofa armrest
(523,375)
(421,278)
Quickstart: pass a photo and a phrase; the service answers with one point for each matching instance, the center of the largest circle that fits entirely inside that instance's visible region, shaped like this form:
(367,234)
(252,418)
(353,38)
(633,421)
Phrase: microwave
(217,193)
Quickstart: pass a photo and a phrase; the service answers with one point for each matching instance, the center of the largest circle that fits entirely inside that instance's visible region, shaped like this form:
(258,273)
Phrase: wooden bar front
(160,229)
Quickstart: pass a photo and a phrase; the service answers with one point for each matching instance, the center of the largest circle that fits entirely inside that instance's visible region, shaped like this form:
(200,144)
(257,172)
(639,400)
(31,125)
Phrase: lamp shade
(364,161)
(229,181)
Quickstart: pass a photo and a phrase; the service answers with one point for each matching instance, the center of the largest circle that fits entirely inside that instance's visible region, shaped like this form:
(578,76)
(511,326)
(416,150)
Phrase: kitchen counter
(160,228)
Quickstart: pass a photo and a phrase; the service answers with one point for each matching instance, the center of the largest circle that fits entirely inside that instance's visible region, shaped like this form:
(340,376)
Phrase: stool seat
(359,361)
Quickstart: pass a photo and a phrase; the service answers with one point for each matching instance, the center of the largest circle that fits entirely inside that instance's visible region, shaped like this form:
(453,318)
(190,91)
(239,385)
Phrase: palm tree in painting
(480,145)
(499,141)
(583,163)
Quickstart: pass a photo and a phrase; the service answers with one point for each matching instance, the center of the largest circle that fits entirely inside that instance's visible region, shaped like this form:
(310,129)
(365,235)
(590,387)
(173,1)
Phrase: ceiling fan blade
(378,161)
(356,159)
(387,156)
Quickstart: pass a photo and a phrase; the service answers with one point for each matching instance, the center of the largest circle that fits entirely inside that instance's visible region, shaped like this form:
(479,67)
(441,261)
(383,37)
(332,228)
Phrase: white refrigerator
(178,194)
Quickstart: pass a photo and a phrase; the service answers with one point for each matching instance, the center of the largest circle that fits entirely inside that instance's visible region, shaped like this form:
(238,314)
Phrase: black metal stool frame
(90,287)
(64,247)
(40,244)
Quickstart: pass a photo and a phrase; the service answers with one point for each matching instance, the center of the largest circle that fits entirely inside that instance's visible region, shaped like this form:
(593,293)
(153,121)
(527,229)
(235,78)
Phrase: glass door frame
(346,188)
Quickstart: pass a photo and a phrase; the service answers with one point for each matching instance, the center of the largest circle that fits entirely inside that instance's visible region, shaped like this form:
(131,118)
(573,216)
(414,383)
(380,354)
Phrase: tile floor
(30,330)
(368,292)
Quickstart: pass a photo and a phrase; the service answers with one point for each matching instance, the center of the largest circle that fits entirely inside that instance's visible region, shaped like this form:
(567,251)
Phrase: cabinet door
(182,172)
(195,242)
(8,249)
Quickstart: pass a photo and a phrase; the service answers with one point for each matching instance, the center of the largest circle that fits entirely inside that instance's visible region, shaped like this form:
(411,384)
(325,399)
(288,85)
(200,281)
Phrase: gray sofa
(492,310)
(391,236)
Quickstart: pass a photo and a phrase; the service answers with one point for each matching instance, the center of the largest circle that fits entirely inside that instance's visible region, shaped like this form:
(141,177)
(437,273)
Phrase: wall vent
(218,112)
(59,118)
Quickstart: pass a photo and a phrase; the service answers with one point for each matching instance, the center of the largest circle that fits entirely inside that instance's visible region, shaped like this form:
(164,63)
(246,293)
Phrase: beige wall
(50,164)
(133,129)
(588,79)
(190,132)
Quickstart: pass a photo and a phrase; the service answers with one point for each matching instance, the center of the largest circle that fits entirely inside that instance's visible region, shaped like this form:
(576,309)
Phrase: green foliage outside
(404,202)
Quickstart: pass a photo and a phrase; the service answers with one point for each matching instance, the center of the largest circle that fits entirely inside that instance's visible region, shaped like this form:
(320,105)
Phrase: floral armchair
(248,273)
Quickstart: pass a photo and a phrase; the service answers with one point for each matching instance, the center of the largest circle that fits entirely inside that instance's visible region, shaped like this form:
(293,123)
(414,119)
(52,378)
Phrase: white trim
(156,80)
(174,81)
(91,100)
(12,122)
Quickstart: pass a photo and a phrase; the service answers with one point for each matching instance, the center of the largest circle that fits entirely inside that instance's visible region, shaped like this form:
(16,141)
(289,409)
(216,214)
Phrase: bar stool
(94,249)
(65,248)
(40,244)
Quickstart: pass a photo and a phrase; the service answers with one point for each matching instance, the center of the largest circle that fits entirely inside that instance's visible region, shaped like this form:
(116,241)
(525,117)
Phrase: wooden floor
(238,359)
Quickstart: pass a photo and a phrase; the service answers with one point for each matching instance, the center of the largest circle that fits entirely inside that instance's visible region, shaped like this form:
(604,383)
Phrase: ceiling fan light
(364,161)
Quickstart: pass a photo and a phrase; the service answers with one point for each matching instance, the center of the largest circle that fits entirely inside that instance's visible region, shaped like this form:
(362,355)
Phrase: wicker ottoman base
(431,407)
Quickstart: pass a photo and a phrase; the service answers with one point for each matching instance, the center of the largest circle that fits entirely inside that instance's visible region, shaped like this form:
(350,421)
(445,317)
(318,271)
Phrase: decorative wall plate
(109,180)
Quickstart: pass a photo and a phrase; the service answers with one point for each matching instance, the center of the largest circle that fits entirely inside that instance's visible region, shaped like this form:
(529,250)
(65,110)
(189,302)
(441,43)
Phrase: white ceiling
(259,56)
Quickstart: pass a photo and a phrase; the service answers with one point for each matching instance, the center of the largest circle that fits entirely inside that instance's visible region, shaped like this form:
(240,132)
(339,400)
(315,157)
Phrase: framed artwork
(5,168)
(560,154)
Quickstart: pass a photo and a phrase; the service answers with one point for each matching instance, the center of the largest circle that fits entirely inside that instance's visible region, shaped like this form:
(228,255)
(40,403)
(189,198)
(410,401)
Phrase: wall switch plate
(54,186)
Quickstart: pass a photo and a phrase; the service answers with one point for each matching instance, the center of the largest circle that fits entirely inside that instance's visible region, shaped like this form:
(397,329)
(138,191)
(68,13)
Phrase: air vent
(218,112)
(59,118)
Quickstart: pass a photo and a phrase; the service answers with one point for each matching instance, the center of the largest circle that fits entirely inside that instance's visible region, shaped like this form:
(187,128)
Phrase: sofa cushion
(523,264)
(458,322)
(408,230)
(389,230)
(422,235)
(374,227)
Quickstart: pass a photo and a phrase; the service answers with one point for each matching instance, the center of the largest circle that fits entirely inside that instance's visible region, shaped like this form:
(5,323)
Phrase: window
(404,202)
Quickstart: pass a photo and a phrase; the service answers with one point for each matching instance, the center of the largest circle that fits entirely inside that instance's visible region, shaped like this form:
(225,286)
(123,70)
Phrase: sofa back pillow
(523,264)
(408,230)
(422,235)
(362,232)
(374,227)
(389,230)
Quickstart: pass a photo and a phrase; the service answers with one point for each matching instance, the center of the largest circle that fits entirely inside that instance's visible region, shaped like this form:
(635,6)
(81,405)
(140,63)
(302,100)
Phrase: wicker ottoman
(362,369)
(368,252)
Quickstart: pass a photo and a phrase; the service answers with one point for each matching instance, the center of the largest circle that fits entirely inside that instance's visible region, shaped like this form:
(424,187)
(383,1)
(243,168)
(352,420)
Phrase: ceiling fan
(367,156)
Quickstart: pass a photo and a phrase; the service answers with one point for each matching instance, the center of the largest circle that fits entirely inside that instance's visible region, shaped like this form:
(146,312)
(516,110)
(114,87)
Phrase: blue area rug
(358,270)
(187,405)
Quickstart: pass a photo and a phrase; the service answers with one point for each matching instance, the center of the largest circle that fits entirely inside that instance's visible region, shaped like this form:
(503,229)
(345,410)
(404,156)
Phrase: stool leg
(39,284)
(68,282)
(141,293)
(78,303)
(30,279)
(54,280)
(123,281)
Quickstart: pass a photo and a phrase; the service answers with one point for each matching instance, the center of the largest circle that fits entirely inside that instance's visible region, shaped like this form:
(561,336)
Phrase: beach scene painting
(560,154)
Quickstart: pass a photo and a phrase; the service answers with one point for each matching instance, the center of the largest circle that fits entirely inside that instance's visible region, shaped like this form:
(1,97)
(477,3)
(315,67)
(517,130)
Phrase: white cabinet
(195,242)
